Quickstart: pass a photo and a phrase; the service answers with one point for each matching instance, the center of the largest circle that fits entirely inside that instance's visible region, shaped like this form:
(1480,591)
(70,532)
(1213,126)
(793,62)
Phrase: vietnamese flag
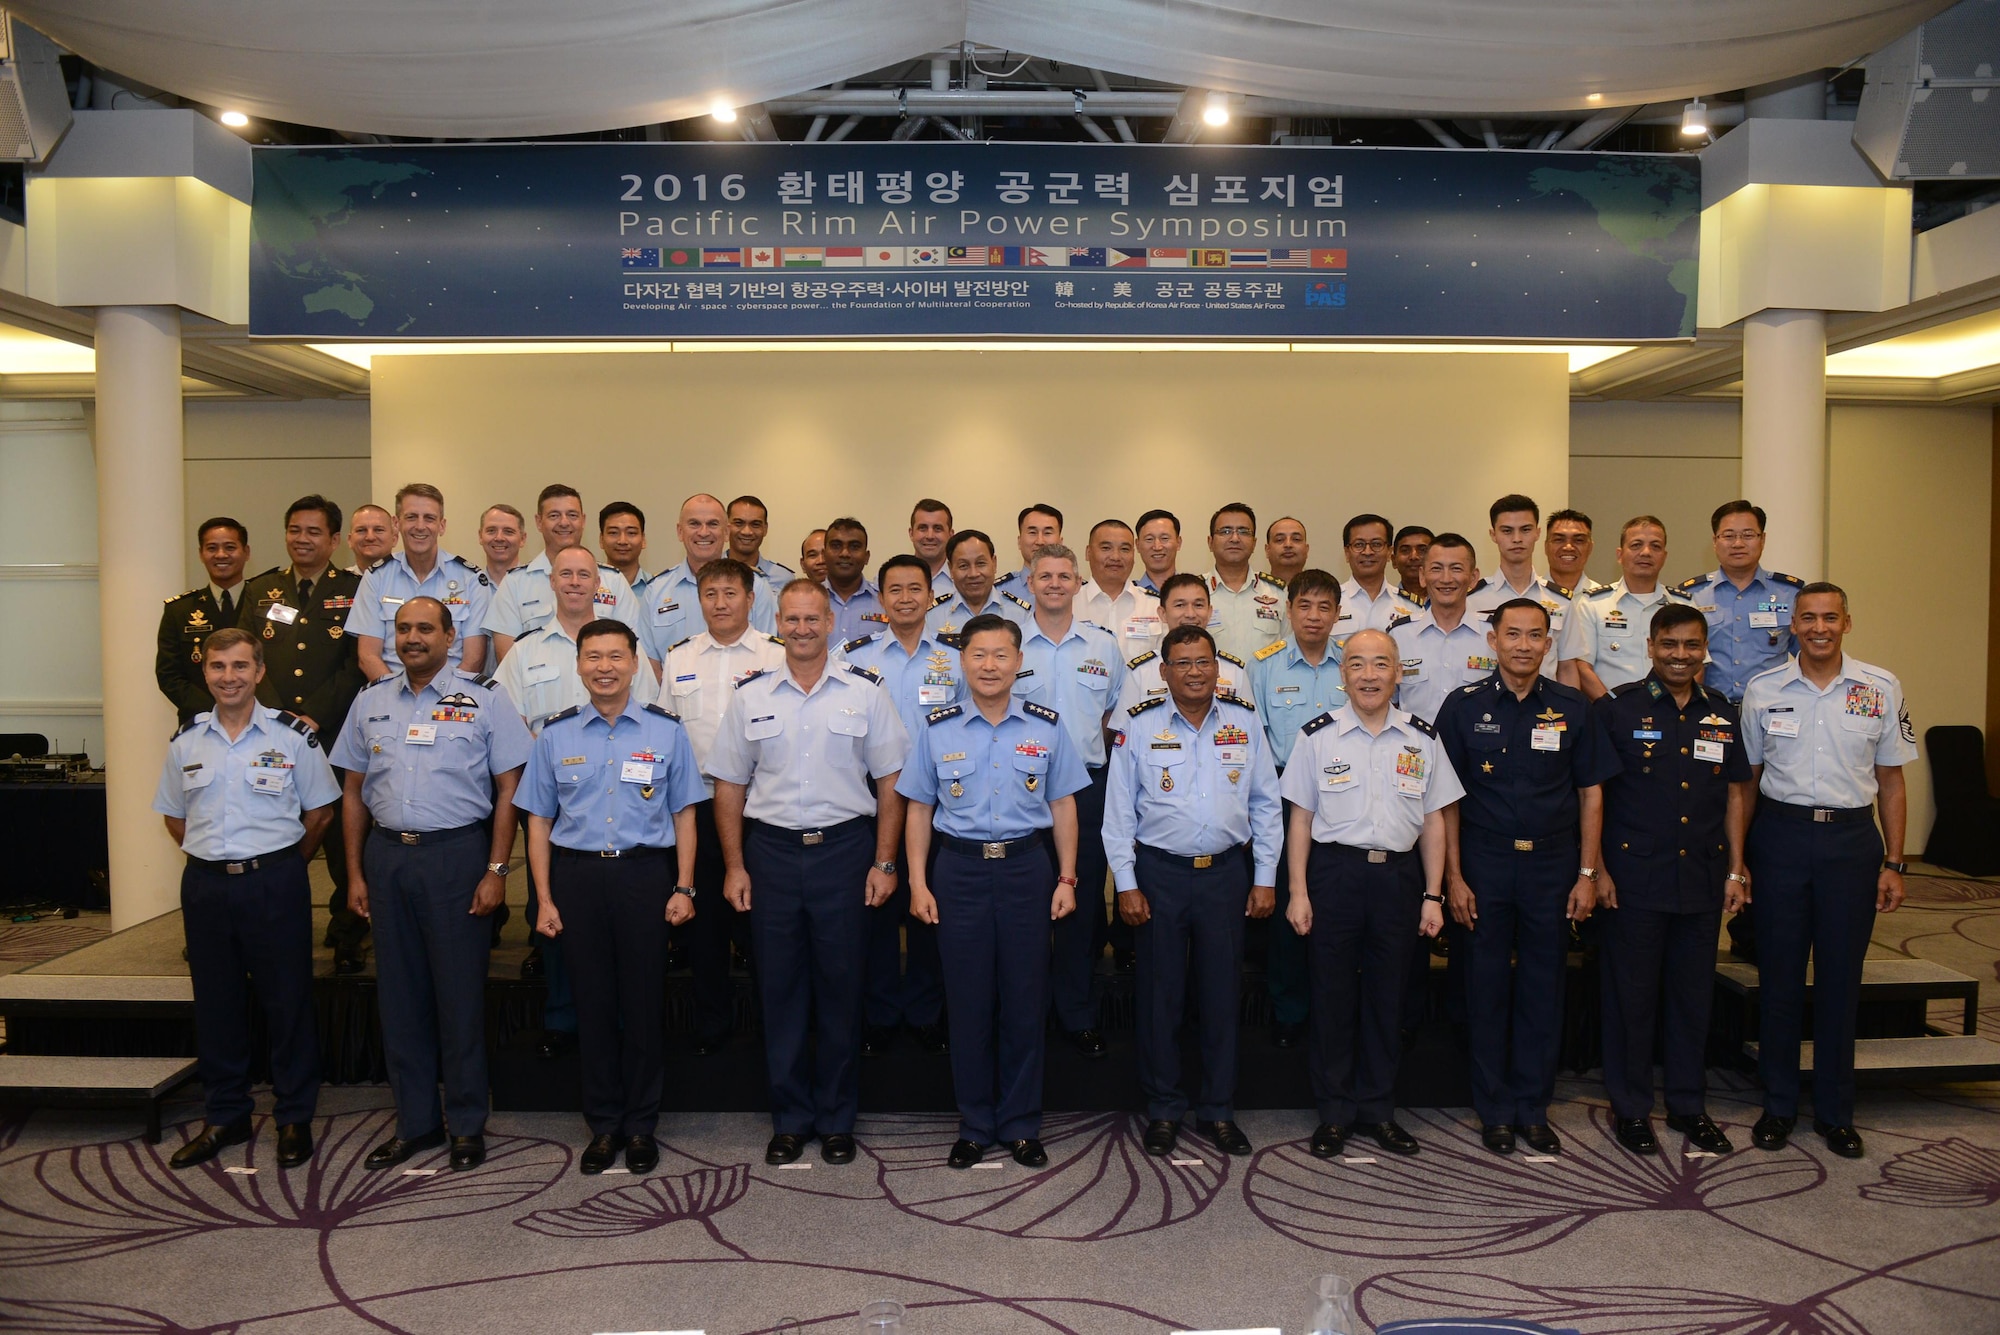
(1329,259)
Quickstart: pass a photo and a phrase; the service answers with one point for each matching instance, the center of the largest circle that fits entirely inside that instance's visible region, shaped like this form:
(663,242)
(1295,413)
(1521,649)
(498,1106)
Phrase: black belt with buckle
(418,838)
(1198,861)
(1790,811)
(560,851)
(258,863)
(1547,843)
(996,848)
(1372,855)
(812,838)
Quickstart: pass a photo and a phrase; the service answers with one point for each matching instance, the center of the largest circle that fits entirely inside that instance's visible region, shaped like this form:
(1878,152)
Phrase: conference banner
(764,241)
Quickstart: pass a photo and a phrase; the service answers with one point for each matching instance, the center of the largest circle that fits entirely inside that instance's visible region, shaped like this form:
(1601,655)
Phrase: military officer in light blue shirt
(610,792)
(930,540)
(991,783)
(971,563)
(857,605)
(431,758)
(1370,600)
(1748,608)
(1516,526)
(1192,828)
(1442,647)
(247,794)
(539,673)
(749,525)
(1037,526)
(526,603)
(425,569)
(1604,641)
(673,598)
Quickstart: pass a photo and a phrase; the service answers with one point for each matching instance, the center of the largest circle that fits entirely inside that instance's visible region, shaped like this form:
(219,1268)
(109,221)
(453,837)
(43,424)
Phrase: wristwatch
(886,868)
(497,868)
(1587,873)
(1434,899)
(687,890)
(1737,877)
(1898,867)
(1069,881)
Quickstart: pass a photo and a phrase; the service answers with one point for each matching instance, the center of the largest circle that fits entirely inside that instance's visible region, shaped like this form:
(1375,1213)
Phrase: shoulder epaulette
(685,639)
(653,707)
(940,715)
(611,570)
(1629,687)
(377,563)
(1142,658)
(1689,585)
(1311,726)
(940,600)
(562,714)
(1275,647)
(1153,702)
(868,673)
(856,643)
(476,678)
(517,569)
(1483,582)
(1400,619)
(1228,657)
(1271,579)
(775,639)
(1599,593)
(1567,593)
(194,722)
(462,561)
(297,725)
(1676,593)
(1468,690)
(1230,697)
(1792,580)
(1042,712)
(1017,600)
(749,677)
(189,594)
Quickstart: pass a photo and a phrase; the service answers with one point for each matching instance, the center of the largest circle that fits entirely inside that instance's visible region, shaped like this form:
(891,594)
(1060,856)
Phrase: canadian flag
(762,257)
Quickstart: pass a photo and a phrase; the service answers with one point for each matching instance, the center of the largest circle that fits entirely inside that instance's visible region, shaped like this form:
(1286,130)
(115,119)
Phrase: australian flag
(639,257)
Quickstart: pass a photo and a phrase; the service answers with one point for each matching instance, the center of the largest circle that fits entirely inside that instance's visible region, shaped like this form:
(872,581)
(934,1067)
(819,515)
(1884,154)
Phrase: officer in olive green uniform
(224,546)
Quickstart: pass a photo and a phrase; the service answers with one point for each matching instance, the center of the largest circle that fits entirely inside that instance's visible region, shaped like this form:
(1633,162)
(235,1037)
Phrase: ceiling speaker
(1931,107)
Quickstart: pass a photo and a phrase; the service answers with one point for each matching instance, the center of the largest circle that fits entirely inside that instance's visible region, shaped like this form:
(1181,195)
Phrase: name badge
(1410,785)
(928,694)
(1546,739)
(1232,755)
(1142,628)
(267,780)
(390,604)
(1708,750)
(281,614)
(636,771)
(1763,620)
(1643,735)
(1782,725)
(421,734)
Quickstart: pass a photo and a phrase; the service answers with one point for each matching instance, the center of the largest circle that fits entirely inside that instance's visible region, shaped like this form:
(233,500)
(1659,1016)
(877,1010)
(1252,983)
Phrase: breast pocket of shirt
(1339,789)
(1168,769)
(569,781)
(847,740)
(954,784)
(1860,732)
(1031,772)
(1096,686)
(686,699)
(196,778)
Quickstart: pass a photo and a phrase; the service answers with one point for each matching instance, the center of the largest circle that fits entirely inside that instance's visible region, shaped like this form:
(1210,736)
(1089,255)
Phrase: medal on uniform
(270,631)
(1034,782)
(334,631)
(1235,774)
(957,788)
(647,792)
(1166,781)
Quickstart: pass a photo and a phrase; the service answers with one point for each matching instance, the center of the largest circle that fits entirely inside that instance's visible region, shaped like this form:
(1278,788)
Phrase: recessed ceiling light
(1217,110)
(235,120)
(1594,98)
(723,112)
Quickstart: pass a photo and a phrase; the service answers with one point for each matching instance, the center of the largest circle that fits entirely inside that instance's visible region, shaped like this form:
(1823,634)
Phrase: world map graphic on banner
(870,240)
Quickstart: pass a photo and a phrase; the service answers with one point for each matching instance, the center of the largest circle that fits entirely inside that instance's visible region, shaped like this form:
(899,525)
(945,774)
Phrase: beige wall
(251,460)
(1420,438)
(1674,460)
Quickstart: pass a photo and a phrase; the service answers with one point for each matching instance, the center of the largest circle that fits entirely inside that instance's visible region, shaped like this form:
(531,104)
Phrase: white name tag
(421,734)
(1142,628)
(933,695)
(1233,755)
(267,780)
(1782,725)
(1764,620)
(1545,739)
(1708,750)
(636,771)
(1410,785)
(281,614)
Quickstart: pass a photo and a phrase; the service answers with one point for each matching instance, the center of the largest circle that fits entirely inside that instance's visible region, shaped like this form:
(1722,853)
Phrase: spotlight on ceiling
(1594,98)
(1216,112)
(723,112)
(235,120)
(1694,118)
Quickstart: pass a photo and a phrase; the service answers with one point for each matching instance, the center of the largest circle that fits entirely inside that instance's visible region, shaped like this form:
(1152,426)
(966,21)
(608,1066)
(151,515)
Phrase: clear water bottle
(884,1316)
(1331,1310)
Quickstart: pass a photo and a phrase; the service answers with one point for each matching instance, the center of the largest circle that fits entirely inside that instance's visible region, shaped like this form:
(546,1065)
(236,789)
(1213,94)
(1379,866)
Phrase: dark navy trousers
(1285,955)
(558,998)
(1364,916)
(809,926)
(896,994)
(1196,924)
(1514,965)
(715,927)
(430,966)
(1079,938)
(252,934)
(1815,888)
(1650,961)
(614,914)
(993,935)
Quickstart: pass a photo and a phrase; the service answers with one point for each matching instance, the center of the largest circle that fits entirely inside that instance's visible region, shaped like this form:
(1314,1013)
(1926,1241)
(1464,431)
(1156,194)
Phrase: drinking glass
(1331,1310)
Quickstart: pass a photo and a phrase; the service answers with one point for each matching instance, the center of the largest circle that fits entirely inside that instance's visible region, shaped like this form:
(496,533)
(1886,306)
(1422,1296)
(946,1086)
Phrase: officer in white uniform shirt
(1370,600)
(527,603)
(1604,644)
(1516,525)
(1568,548)
(1183,602)
(1249,610)
(672,611)
(1443,647)
(1109,599)
(539,674)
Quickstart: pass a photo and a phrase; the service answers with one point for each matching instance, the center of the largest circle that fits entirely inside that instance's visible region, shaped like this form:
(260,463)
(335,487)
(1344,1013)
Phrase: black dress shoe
(1540,1137)
(1087,1042)
(1029,1153)
(397,1150)
(211,1142)
(1636,1134)
(295,1144)
(467,1152)
(1842,1140)
(1285,1034)
(600,1154)
(1772,1131)
(1499,1139)
(875,1040)
(965,1153)
(642,1154)
(1160,1137)
(837,1148)
(347,961)
(555,1042)
(1226,1136)
(531,966)
(1328,1140)
(784,1149)
(1701,1133)
(1391,1137)
(934,1039)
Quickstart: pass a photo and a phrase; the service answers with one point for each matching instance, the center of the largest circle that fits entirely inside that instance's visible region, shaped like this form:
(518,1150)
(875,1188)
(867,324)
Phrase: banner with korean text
(690,241)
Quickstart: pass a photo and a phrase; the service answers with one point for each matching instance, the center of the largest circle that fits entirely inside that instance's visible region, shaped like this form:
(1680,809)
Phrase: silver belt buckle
(410,837)
(1821,816)
(814,837)
(235,868)
(610,853)
(1378,855)
(994,850)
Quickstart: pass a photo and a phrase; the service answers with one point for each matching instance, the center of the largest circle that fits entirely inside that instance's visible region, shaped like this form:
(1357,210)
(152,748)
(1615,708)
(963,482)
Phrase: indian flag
(804,257)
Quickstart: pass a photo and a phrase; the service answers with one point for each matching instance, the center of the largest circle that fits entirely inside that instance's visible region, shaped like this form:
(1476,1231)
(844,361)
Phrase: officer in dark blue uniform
(610,793)
(1674,820)
(431,756)
(1520,862)
(987,781)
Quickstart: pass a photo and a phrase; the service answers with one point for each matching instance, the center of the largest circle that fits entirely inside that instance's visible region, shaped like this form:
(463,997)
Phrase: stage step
(1882,980)
(95,1082)
(1947,1057)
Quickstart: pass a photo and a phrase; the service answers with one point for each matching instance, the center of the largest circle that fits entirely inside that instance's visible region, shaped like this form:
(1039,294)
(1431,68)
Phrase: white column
(141,564)
(1784,435)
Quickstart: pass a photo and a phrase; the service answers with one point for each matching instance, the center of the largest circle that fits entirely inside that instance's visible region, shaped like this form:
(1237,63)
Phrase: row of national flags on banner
(973,257)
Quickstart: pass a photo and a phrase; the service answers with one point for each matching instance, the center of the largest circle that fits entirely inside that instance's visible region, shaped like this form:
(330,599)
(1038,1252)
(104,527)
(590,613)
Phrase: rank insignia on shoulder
(1042,712)
(1231,698)
(663,712)
(1017,600)
(1422,726)
(1270,579)
(855,643)
(1228,657)
(1792,580)
(194,722)
(1690,585)
(1144,705)
(1400,619)
(1312,726)
(299,726)
(867,673)
(678,643)
(562,714)
(749,677)
(476,678)
(775,639)
(940,715)
(941,600)
(1146,657)
(1567,593)
(1270,649)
